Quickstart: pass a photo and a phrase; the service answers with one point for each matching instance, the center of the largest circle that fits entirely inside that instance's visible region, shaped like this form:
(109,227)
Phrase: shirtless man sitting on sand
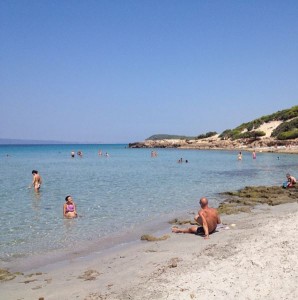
(207,217)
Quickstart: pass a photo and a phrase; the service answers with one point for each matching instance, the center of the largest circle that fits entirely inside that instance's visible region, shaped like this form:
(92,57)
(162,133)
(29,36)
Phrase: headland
(264,143)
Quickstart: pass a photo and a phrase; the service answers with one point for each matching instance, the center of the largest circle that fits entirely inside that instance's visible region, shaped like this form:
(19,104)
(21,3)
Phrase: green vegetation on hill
(180,137)
(286,130)
(236,134)
(207,135)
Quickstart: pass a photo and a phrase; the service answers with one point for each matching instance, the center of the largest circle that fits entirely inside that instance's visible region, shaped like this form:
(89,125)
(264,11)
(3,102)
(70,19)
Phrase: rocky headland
(269,136)
(215,143)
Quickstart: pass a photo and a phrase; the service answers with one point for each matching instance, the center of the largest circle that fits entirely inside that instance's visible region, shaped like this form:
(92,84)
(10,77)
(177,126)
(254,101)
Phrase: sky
(119,71)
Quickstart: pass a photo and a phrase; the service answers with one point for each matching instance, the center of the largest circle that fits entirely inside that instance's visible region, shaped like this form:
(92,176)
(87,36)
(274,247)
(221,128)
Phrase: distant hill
(170,137)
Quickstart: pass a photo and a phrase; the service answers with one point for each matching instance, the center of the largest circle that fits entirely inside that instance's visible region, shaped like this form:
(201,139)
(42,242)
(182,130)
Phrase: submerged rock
(245,199)
(5,275)
(151,238)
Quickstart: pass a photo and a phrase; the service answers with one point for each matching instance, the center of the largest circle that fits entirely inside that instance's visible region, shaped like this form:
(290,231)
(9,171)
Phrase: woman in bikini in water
(69,208)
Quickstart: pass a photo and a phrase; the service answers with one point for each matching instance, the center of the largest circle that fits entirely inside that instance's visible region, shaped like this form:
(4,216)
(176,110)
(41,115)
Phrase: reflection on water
(69,225)
(37,195)
(36,201)
(36,204)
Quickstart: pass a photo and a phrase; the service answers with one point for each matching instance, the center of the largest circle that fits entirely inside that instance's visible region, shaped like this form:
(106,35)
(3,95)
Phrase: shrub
(292,134)
(249,134)
(285,127)
(208,134)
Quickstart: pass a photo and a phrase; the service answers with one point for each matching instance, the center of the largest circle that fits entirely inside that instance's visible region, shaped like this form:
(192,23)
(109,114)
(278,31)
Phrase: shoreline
(88,248)
(231,264)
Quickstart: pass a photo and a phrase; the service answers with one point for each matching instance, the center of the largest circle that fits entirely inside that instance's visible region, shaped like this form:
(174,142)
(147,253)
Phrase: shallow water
(115,196)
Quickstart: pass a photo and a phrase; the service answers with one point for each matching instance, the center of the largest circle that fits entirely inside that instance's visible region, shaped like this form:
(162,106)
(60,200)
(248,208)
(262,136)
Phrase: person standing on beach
(69,208)
(37,181)
(207,217)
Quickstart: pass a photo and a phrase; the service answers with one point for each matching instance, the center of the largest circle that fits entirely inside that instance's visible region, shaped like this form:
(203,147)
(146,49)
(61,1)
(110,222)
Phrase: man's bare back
(211,216)
(207,216)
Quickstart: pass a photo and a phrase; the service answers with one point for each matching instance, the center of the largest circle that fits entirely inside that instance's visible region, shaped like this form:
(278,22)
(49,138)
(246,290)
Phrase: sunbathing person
(207,217)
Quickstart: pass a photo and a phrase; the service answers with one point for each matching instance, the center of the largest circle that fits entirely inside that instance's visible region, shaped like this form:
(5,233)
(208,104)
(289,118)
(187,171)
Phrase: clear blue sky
(119,71)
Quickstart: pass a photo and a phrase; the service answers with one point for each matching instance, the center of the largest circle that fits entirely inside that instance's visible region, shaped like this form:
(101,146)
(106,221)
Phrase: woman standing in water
(254,155)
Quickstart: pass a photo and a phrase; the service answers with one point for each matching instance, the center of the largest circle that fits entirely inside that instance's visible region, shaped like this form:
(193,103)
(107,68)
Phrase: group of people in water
(80,153)
(207,217)
(69,208)
(180,160)
(254,155)
(100,153)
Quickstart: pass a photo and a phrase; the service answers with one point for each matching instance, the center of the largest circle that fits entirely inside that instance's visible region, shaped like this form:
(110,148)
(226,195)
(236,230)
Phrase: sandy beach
(252,256)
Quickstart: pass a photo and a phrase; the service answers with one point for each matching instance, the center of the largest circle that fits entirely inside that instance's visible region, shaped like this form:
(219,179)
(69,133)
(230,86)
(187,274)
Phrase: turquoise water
(115,195)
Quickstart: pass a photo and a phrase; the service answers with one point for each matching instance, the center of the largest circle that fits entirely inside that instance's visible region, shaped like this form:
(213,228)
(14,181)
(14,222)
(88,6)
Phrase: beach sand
(253,256)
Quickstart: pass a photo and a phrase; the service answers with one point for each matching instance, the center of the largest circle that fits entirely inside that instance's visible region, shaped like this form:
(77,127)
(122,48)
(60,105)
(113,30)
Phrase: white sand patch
(269,127)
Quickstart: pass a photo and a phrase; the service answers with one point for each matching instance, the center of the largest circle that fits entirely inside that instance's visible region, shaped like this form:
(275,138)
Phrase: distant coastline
(27,142)
(43,142)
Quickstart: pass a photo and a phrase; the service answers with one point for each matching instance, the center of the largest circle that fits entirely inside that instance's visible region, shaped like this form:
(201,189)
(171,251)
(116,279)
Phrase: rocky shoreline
(247,198)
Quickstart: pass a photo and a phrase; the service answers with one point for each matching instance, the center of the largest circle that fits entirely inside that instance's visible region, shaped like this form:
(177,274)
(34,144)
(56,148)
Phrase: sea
(119,197)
